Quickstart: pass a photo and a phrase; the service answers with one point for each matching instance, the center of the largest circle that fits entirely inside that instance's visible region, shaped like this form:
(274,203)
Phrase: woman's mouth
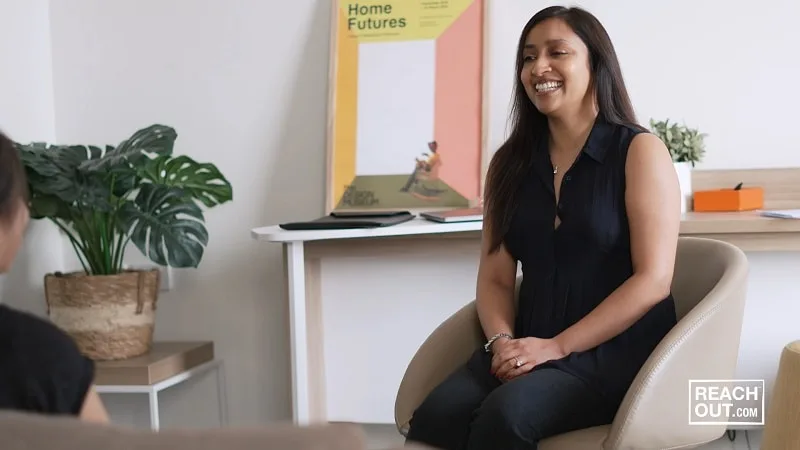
(548,87)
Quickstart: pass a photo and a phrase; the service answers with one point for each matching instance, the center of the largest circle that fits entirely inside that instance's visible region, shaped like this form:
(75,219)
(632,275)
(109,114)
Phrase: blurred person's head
(13,202)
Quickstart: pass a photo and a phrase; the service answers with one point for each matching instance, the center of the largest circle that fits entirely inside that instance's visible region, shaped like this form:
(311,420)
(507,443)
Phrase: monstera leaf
(104,197)
(204,182)
(53,172)
(166,225)
(155,139)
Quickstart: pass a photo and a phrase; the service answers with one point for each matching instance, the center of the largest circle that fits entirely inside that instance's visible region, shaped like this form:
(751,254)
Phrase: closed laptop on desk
(349,220)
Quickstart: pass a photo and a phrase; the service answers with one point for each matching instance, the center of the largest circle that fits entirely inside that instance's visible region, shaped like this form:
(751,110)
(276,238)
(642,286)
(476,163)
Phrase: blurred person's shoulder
(41,368)
(26,332)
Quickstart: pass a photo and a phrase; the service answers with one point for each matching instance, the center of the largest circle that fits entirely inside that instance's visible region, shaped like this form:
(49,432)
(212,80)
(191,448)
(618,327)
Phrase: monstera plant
(103,199)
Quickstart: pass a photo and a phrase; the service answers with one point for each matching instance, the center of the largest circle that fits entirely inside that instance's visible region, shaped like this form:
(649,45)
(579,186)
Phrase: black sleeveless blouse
(569,270)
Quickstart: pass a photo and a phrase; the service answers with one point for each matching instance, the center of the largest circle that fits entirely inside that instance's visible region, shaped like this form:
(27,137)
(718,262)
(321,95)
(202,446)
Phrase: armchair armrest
(449,346)
(703,345)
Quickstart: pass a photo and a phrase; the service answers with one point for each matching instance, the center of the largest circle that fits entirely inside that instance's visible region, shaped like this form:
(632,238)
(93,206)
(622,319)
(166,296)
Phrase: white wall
(725,68)
(245,84)
(26,113)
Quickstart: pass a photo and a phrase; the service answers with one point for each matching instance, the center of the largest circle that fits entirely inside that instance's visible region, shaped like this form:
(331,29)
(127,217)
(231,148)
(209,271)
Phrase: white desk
(304,249)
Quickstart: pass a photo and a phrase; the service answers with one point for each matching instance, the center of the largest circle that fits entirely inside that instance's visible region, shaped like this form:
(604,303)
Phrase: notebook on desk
(782,213)
(454,215)
(351,219)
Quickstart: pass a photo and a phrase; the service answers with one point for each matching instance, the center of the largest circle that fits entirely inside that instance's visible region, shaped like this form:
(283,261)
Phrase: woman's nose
(540,67)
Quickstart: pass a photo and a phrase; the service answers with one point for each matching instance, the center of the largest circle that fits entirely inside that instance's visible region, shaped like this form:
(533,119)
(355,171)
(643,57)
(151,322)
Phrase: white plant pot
(684,171)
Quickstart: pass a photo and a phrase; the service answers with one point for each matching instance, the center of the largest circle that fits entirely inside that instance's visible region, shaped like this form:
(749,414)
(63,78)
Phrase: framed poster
(406,104)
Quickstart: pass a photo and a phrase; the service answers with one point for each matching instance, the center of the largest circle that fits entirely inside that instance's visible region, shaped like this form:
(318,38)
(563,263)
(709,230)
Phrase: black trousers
(473,410)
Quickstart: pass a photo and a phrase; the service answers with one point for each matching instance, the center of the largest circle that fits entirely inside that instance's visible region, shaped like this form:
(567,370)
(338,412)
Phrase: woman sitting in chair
(41,370)
(589,203)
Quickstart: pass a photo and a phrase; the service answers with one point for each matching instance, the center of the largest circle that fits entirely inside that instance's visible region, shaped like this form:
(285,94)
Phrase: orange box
(722,200)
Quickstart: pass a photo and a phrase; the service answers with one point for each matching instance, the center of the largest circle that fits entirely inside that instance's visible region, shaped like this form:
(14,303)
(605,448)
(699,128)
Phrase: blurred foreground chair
(31,431)
(781,430)
(709,287)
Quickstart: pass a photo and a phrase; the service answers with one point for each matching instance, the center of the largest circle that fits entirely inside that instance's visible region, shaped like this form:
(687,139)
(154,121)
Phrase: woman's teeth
(548,86)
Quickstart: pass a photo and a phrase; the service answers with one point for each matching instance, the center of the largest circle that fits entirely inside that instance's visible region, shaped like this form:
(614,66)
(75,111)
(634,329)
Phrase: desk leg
(305,326)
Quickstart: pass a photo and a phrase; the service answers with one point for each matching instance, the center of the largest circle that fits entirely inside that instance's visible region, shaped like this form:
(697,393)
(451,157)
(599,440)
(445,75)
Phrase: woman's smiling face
(556,71)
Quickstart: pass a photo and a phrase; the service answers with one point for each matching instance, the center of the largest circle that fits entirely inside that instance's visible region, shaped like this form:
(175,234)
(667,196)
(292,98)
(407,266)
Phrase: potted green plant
(687,148)
(102,199)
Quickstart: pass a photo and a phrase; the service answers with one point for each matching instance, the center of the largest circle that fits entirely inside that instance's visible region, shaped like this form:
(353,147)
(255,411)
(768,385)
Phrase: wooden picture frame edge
(485,97)
(330,119)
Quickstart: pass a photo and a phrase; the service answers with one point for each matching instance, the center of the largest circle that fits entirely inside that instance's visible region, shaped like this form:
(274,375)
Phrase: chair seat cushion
(586,439)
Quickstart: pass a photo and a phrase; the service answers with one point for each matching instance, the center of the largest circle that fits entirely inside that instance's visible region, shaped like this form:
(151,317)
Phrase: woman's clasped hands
(514,357)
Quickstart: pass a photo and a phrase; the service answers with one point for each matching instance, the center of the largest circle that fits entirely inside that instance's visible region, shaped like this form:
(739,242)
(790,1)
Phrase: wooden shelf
(165,359)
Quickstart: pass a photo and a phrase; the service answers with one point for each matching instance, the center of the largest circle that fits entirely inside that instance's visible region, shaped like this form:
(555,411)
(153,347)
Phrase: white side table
(167,364)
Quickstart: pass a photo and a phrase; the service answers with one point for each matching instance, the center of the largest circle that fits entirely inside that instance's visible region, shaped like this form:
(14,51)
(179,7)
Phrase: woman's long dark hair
(513,159)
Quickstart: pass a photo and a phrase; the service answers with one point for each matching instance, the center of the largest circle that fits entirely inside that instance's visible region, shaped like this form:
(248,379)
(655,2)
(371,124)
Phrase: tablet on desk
(454,215)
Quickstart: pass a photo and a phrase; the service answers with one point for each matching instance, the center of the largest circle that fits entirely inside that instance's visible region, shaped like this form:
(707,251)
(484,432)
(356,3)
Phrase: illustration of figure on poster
(425,170)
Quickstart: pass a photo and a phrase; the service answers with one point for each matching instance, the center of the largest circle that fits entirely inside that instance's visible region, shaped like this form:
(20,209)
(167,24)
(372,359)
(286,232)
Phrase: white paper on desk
(782,213)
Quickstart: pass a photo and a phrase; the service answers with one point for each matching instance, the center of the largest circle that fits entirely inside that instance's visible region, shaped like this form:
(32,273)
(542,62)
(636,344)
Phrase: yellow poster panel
(406,104)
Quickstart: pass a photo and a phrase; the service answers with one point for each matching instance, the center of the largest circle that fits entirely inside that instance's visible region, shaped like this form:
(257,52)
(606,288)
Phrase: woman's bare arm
(93,409)
(495,288)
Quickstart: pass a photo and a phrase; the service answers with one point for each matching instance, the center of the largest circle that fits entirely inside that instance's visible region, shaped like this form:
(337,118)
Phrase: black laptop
(342,220)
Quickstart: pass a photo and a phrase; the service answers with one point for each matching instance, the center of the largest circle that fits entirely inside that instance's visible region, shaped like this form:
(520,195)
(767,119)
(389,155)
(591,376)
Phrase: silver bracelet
(488,347)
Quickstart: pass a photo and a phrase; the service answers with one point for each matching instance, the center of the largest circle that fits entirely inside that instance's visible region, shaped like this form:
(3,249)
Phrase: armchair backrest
(700,266)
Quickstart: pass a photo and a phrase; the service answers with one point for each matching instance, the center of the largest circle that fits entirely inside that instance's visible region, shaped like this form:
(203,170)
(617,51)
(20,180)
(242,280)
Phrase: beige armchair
(709,286)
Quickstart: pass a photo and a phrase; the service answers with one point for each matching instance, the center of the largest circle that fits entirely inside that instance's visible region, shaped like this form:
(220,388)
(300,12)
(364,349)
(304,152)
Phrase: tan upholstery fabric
(29,432)
(782,425)
(589,438)
(709,286)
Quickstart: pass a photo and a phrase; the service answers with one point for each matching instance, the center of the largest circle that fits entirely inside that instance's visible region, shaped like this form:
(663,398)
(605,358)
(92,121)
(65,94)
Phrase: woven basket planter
(110,317)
